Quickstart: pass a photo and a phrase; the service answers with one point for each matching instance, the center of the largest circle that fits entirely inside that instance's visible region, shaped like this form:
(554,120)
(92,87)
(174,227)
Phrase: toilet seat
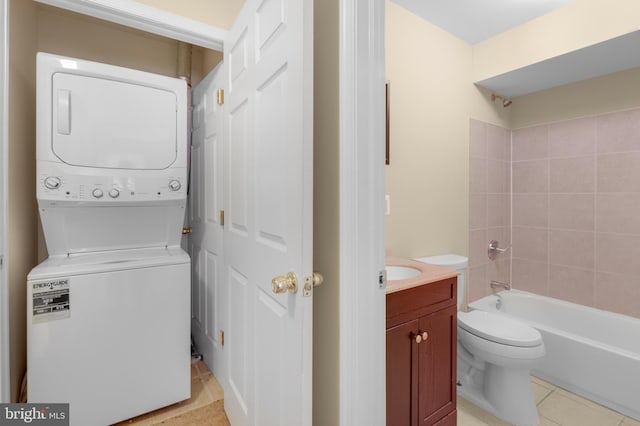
(499,329)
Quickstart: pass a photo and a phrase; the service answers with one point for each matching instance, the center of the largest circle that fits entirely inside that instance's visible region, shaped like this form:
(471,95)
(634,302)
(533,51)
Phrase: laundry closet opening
(40,28)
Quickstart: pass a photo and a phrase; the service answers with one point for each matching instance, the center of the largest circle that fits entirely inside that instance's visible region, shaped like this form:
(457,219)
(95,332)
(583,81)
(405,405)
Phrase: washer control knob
(97,193)
(52,182)
(174,185)
(114,193)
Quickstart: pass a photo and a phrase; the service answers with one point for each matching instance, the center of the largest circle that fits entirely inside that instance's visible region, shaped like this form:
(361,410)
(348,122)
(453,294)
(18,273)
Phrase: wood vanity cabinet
(421,355)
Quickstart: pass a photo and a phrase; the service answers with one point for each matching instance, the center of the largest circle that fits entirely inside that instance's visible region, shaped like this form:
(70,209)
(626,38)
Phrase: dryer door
(112,124)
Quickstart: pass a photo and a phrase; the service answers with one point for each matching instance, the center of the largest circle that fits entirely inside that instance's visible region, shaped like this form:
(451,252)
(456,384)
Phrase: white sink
(401,272)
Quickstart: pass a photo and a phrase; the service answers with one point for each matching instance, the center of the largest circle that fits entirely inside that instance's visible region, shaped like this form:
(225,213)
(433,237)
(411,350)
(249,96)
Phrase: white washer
(109,333)
(108,318)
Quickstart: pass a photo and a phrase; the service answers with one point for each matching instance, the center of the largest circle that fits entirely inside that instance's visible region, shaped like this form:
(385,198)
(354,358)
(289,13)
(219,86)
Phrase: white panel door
(208,291)
(268,200)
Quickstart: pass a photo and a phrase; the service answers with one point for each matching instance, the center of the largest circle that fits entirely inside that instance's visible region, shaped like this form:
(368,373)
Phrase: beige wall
(432,99)
(66,33)
(577,25)
(614,92)
(219,13)
(22,219)
(326,217)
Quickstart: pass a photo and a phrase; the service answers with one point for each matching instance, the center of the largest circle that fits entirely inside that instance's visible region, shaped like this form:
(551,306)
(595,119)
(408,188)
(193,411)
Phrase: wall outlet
(387,203)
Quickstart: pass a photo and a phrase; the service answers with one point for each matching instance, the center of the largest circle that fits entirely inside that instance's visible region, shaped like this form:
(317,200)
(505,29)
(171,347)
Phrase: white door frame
(362,338)
(146,18)
(5,382)
(362,246)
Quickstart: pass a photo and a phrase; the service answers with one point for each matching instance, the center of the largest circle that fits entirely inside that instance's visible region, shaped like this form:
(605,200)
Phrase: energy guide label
(50,300)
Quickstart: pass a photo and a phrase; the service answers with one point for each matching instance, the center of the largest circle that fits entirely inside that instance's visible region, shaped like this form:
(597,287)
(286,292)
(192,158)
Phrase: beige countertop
(430,274)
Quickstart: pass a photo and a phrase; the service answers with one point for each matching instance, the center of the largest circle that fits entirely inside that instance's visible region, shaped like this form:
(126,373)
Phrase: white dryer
(108,319)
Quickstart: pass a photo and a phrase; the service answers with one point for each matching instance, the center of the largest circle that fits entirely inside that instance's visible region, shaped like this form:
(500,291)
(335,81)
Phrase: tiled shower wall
(576,211)
(489,205)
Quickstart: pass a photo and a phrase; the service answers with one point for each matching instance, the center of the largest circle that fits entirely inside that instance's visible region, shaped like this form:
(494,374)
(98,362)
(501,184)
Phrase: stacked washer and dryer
(108,313)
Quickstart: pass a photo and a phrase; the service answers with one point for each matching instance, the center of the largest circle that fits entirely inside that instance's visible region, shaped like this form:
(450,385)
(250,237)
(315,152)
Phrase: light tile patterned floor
(205,393)
(556,407)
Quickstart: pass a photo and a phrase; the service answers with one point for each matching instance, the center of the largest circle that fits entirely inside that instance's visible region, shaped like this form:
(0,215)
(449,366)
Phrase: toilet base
(506,393)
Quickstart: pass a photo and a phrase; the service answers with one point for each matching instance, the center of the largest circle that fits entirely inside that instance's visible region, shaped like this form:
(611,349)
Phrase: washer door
(112,124)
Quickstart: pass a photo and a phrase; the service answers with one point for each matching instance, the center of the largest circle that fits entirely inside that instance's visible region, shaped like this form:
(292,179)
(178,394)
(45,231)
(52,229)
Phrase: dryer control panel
(110,188)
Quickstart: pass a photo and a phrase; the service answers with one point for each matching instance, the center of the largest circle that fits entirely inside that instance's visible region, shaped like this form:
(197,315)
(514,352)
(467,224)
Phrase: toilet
(495,356)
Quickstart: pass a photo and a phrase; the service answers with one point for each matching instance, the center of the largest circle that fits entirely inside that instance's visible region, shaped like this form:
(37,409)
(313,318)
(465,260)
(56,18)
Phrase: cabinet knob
(420,337)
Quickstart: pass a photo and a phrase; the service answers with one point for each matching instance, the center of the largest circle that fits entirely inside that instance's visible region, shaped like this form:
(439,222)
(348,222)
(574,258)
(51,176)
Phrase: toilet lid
(499,328)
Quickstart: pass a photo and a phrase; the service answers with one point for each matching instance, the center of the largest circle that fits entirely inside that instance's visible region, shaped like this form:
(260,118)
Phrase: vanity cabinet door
(421,355)
(402,375)
(437,366)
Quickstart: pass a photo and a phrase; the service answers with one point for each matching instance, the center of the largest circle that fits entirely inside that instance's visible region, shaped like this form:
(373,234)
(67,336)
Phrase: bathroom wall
(580,23)
(613,92)
(576,195)
(588,141)
(489,205)
(432,98)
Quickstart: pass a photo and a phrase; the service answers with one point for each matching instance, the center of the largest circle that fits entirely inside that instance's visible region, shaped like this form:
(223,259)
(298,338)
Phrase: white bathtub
(590,352)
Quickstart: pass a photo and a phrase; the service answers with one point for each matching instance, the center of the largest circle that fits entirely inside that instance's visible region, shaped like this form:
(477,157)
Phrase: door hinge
(221,217)
(2,261)
(220,96)
(221,337)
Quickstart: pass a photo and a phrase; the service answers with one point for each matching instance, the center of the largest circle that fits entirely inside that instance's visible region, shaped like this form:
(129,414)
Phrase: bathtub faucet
(497,284)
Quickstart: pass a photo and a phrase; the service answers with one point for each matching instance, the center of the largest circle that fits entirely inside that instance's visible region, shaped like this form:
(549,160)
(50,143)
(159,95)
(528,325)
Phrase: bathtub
(590,352)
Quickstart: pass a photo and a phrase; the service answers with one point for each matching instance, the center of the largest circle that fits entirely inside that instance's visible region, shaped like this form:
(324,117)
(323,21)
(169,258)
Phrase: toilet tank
(451,261)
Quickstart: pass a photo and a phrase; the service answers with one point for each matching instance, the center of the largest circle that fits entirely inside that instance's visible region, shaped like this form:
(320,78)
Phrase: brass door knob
(283,283)
(317,279)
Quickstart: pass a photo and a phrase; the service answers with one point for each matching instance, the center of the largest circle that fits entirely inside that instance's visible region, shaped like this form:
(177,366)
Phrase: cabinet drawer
(420,300)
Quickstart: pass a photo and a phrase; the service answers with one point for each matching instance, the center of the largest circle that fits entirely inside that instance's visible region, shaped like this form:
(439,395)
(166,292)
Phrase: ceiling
(476,20)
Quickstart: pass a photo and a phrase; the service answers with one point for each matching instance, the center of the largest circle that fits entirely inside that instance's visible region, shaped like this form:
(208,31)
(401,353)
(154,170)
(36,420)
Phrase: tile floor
(206,402)
(556,407)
